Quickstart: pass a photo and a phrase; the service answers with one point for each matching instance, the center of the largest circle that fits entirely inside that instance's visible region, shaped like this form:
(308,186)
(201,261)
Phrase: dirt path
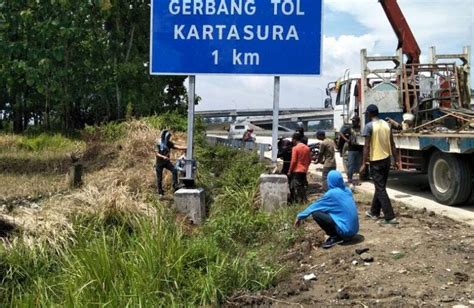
(427,260)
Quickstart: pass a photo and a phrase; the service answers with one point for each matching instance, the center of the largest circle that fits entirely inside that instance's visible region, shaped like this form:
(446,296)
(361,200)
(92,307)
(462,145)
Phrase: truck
(440,141)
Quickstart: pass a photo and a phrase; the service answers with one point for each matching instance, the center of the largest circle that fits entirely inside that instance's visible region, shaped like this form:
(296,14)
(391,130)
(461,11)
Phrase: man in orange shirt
(300,161)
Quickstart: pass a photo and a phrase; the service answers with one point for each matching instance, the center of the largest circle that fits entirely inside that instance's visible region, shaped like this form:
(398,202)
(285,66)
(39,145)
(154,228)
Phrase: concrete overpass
(234,114)
(324,114)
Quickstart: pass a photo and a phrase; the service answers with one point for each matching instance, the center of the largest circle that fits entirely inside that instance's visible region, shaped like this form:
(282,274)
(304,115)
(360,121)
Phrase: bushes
(169,120)
(42,142)
(109,132)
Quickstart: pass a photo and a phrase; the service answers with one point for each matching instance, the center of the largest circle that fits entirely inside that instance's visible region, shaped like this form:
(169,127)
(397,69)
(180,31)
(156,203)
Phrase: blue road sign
(258,37)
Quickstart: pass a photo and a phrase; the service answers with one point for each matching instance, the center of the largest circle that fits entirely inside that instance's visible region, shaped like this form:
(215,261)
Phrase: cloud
(445,24)
(344,53)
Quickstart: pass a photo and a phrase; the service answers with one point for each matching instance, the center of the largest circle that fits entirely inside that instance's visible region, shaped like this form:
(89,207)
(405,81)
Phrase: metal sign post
(191,107)
(276,114)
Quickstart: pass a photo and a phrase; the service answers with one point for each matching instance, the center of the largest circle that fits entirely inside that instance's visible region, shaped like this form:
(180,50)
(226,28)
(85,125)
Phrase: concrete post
(192,203)
(274,191)
(276,119)
(75,176)
(261,151)
(363,86)
(467,69)
(190,135)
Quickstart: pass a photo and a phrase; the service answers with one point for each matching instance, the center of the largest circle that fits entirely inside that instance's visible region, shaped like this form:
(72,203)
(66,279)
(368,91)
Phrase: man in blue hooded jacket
(335,212)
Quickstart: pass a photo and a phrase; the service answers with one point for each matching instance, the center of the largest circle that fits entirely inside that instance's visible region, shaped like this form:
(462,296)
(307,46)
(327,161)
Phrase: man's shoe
(332,241)
(393,221)
(371,216)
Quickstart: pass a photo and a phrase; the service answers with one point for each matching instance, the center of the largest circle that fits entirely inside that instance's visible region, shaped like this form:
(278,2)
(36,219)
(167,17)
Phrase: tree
(67,63)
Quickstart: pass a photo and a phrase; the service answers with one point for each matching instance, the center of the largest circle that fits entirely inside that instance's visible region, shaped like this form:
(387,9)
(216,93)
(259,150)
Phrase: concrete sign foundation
(192,203)
(274,191)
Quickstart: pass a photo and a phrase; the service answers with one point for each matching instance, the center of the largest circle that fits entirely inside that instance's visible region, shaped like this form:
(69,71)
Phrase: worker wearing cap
(327,156)
(299,166)
(378,150)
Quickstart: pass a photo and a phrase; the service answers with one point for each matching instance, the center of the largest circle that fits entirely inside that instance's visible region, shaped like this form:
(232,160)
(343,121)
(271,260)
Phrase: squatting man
(335,212)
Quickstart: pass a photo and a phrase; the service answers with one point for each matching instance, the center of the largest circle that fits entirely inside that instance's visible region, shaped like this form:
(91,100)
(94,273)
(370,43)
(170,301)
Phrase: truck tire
(470,201)
(450,178)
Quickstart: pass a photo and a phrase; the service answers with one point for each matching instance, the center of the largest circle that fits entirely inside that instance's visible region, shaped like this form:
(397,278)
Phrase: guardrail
(261,148)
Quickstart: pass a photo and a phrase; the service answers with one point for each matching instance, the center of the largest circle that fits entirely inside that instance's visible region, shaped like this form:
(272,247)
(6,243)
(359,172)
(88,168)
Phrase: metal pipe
(189,150)
(276,112)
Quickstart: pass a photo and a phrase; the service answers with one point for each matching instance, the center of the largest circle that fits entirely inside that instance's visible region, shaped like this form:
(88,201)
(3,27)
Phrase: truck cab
(441,141)
(346,101)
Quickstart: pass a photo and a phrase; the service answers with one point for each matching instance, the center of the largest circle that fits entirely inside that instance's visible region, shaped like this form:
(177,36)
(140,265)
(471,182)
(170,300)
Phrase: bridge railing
(261,148)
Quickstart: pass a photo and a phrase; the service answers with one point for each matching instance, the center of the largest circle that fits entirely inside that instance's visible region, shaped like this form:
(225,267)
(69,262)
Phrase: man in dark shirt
(284,153)
(354,156)
(162,151)
(304,139)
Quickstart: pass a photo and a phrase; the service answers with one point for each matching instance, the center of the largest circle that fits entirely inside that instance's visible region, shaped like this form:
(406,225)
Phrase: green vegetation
(46,142)
(109,132)
(119,259)
(68,63)
(38,143)
(34,165)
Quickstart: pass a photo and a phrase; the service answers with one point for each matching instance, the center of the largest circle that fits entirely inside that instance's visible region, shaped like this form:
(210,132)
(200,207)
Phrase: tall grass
(38,143)
(153,265)
(126,259)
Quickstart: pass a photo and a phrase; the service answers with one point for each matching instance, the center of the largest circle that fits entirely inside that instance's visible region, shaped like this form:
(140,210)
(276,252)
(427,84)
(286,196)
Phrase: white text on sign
(233,32)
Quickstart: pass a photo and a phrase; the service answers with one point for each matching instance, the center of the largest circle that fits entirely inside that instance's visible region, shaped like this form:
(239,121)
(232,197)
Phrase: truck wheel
(450,178)
(471,200)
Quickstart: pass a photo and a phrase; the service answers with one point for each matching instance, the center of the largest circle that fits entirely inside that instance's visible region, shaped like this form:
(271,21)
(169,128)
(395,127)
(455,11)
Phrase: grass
(118,255)
(154,264)
(36,155)
(38,143)
(18,186)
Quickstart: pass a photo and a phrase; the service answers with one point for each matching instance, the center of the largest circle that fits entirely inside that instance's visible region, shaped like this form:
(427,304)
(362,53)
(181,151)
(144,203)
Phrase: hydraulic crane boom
(406,39)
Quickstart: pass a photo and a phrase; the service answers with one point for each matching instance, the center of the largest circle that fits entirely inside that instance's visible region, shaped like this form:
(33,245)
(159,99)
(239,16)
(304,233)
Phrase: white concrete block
(274,191)
(192,203)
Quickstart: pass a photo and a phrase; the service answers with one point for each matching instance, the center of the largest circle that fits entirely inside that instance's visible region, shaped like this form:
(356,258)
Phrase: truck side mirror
(328,103)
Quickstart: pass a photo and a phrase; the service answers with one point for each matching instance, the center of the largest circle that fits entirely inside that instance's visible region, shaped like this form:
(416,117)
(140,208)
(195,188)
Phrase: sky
(348,27)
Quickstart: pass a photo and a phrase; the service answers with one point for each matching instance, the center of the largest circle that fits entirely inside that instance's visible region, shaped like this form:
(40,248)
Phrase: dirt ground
(426,260)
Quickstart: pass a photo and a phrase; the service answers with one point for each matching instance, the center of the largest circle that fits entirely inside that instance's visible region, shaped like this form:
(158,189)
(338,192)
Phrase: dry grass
(123,185)
(34,186)
(8,141)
